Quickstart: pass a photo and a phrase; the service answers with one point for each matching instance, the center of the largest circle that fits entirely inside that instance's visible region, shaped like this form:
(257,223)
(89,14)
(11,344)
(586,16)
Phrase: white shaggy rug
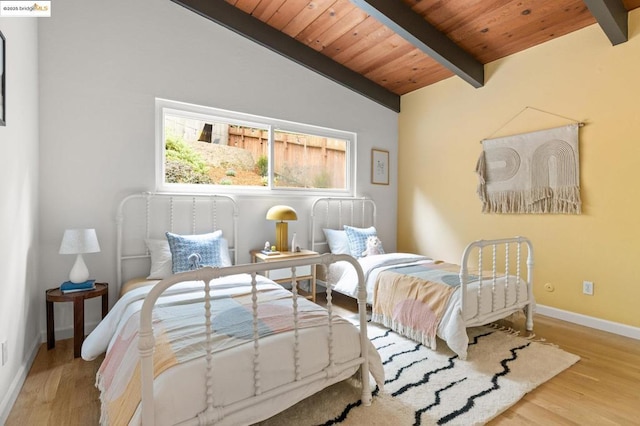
(425,387)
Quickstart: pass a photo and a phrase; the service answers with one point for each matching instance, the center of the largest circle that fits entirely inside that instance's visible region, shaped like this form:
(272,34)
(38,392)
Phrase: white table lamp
(79,241)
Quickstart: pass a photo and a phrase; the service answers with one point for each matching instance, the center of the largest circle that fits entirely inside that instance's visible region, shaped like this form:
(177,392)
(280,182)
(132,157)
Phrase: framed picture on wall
(3,79)
(379,167)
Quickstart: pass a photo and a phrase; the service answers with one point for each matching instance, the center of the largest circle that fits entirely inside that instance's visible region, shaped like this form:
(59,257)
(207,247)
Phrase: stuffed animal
(374,246)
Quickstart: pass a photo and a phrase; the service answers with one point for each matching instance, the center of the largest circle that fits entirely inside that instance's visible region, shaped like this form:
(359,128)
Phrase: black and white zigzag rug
(425,387)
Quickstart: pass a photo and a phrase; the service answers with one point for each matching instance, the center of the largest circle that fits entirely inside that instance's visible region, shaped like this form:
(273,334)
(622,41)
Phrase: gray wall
(20,295)
(102,64)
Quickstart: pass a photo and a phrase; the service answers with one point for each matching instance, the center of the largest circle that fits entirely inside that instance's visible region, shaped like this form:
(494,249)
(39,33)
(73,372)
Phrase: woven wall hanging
(535,172)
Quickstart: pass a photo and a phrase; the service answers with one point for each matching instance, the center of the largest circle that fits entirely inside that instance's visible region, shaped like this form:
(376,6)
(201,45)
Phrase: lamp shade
(78,241)
(282,213)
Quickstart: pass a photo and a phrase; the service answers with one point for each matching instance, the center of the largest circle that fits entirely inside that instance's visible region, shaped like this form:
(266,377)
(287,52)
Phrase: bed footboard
(504,289)
(215,412)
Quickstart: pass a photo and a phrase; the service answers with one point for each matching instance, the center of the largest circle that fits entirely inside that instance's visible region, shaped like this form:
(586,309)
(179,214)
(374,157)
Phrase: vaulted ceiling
(383,49)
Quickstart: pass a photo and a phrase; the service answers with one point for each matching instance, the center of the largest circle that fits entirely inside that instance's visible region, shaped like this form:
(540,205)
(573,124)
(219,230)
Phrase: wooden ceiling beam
(221,12)
(416,30)
(612,17)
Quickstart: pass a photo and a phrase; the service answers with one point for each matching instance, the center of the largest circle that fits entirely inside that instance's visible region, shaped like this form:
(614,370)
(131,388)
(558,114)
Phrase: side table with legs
(284,275)
(78,298)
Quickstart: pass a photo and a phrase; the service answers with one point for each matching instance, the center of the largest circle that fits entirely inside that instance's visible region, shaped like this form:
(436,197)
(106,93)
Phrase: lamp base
(79,273)
(281,236)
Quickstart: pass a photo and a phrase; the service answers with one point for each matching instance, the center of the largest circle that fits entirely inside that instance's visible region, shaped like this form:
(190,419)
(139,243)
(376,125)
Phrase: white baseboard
(587,321)
(16,385)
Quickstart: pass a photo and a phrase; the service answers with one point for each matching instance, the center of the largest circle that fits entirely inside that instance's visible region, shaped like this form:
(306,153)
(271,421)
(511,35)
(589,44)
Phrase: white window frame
(166,106)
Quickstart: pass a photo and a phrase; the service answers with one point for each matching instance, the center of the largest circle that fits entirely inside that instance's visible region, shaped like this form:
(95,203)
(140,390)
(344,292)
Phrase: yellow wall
(580,76)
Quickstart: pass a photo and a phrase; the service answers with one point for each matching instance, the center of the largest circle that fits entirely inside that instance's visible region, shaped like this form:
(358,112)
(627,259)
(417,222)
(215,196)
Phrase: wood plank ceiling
(386,48)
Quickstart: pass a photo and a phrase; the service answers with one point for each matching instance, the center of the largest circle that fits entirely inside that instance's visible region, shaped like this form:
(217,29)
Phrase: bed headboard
(333,213)
(149,215)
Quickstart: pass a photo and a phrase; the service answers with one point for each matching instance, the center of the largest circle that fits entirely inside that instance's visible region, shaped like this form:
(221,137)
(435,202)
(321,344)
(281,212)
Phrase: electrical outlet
(587,287)
(4,353)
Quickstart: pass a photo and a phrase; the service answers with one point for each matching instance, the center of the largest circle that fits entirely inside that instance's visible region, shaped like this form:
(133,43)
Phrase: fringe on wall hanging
(536,172)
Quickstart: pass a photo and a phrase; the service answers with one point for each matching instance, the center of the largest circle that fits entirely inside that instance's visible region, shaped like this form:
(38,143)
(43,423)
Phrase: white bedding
(179,391)
(452,328)
(344,279)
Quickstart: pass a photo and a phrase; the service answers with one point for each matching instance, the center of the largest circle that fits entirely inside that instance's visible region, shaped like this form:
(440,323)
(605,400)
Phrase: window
(206,149)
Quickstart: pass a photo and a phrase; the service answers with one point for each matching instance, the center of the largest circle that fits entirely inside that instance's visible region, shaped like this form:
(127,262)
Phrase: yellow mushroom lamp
(281,214)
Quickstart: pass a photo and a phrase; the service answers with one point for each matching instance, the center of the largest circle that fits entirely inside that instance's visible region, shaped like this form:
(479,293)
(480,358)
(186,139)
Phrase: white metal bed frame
(213,413)
(361,212)
(161,212)
(525,302)
(334,212)
(154,213)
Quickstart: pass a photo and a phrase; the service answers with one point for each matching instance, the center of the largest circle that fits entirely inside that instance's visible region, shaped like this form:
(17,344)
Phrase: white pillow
(225,257)
(161,260)
(337,240)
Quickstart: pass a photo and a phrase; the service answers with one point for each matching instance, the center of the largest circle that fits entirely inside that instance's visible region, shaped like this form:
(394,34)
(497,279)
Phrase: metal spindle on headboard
(148,215)
(518,271)
(193,215)
(480,279)
(494,276)
(171,214)
(506,274)
(214,218)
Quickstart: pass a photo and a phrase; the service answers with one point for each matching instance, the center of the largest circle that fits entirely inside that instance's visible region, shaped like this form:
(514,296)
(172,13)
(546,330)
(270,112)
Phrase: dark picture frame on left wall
(3,80)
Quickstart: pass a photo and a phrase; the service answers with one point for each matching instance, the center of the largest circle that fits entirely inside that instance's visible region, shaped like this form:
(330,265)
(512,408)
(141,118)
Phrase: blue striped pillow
(358,239)
(183,246)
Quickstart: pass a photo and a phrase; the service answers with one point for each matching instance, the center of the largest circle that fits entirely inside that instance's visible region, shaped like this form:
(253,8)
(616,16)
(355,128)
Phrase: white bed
(259,348)
(478,299)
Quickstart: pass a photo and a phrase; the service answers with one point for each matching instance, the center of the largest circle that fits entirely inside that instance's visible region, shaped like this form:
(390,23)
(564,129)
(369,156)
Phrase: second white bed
(452,327)
(428,306)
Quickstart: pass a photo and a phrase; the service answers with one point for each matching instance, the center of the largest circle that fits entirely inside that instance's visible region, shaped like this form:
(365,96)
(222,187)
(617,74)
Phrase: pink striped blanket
(179,327)
(411,300)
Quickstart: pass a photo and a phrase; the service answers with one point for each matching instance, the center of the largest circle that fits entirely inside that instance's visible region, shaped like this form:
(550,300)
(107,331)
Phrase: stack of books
(69,287)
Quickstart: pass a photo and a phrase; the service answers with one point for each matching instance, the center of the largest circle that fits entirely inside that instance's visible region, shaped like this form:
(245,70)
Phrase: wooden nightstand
(78,298)
(283,276)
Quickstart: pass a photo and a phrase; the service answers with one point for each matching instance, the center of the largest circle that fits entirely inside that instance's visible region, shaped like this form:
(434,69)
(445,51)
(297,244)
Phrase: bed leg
(366,388)
(529,323)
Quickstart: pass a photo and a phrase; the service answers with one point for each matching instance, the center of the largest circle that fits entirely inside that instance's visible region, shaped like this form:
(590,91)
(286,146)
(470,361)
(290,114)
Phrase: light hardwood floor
(603,388)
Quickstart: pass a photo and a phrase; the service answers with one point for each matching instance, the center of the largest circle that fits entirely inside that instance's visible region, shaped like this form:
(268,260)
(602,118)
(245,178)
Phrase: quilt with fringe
(180,337)
(411,300)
